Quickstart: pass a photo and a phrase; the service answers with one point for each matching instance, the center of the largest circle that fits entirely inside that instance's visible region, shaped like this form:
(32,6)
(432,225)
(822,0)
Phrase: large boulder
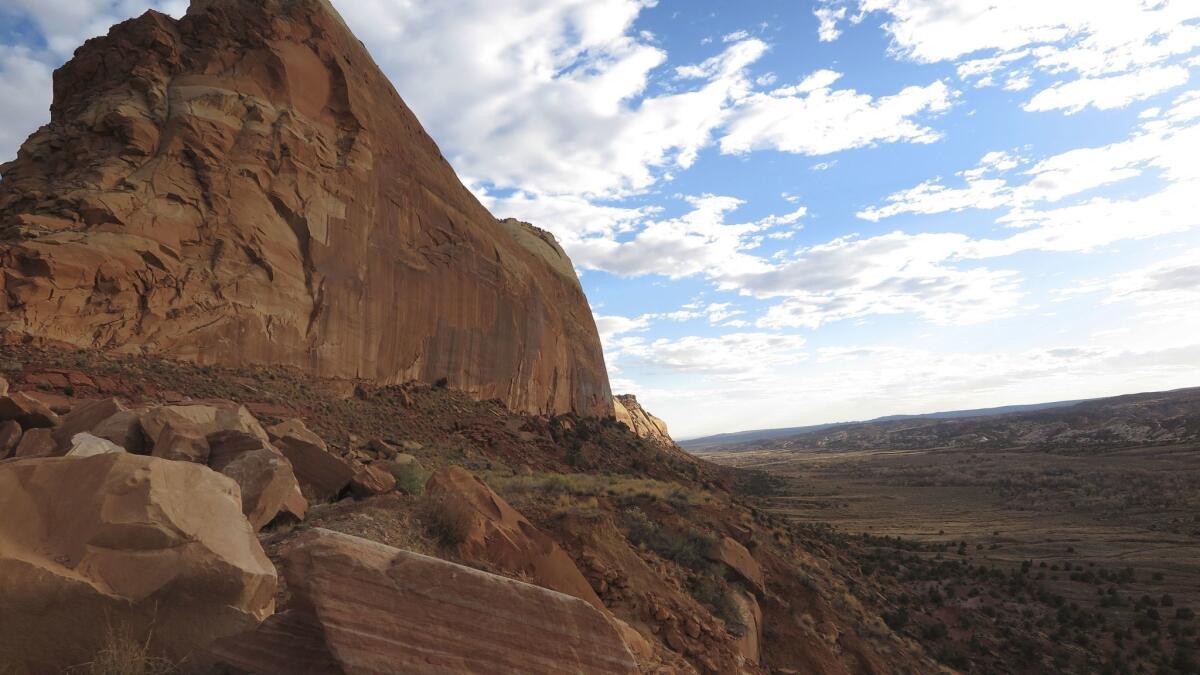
(267,484)
(323,473)
(245,186)
(739,561)
(27,411)
(202,418)
(120,542)
(83,418)
(35,443)
(124,429)
(182,445)
(358,607)
(501,536)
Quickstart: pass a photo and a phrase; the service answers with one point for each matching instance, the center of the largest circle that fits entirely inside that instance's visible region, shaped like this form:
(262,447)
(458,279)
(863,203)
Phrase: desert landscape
(287,386)
(1091,507)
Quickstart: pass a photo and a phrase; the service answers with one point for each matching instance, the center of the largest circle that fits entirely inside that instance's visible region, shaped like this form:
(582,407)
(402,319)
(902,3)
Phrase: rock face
(359,607)
(119,541)
(640,422)
(244,186)
(501,536)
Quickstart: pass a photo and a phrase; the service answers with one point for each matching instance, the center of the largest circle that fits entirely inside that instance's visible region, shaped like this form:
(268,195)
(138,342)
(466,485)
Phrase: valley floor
(1076,522)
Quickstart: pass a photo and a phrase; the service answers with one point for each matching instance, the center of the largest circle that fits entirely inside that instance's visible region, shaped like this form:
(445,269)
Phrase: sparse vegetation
(448,521)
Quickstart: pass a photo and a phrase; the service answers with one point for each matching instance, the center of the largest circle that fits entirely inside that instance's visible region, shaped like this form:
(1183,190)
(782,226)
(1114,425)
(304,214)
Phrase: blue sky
(789,211)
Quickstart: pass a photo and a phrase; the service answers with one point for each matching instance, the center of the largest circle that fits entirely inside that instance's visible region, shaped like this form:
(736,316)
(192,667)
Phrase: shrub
(410,478)
(123,655)
(448,521)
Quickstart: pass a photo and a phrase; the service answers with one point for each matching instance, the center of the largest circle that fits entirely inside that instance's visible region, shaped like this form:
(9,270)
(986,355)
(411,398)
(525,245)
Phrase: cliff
(244,186)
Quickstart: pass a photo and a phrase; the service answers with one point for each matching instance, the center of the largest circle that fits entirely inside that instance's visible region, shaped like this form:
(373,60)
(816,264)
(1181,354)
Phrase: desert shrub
(685,547)
(447,521)
(410,478)
(124,655)
(711,592)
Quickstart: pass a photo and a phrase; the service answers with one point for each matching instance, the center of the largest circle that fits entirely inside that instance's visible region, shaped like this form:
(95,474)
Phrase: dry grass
(448,521)
(122,654)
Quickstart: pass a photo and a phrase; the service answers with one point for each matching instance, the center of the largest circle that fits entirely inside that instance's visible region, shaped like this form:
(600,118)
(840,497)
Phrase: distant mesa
(244,186)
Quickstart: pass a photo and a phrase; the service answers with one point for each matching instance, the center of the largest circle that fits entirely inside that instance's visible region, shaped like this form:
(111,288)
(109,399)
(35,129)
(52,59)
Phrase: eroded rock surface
(244,186)
(369,608)
(127,543)
(640,422)
(501,536)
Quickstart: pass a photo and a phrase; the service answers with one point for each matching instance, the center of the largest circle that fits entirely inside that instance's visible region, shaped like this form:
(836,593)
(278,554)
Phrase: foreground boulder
(120,542)
(359,607)
(323,474)
(245,186)
(501,536)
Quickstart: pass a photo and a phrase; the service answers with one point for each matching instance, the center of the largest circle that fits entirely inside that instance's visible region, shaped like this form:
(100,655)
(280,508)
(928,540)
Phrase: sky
(790,212)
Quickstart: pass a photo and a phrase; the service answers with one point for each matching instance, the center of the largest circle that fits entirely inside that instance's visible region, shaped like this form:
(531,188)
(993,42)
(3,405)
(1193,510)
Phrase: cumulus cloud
(828,18)
(812,118)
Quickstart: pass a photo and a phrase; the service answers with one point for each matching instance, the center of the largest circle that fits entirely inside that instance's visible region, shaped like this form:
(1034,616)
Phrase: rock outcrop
(122,543)
(362,607)
(244,186)
(640,422)
(500,536)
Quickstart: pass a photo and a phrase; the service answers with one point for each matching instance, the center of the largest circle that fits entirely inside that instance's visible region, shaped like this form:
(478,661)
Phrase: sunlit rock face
(244,186)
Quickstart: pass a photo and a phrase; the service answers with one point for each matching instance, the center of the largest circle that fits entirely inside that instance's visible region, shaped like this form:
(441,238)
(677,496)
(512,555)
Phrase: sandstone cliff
(244,186)
(640,422)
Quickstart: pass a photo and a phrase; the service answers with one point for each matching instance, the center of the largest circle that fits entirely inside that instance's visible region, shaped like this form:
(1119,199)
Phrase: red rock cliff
(244,186)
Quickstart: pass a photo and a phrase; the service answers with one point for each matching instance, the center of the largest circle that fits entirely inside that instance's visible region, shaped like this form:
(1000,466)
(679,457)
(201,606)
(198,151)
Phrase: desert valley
(281,394)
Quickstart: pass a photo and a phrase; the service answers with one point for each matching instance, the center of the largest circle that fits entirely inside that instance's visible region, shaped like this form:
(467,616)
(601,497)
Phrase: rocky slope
(635,547)
(244,186)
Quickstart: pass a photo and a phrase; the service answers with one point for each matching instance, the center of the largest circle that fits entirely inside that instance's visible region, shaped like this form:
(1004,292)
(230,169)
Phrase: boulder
(203,418)
(502,537)
(359,607)
(10,438)
(226,446)
(182,445)
(125,542)
(124,429)
(739,561)
(57,403)
(36,442)
(27,411)
(3,387)
(750,616)
(267,485)
(85,417)
(371,480)
(87,445)
(342,244)
(324,474)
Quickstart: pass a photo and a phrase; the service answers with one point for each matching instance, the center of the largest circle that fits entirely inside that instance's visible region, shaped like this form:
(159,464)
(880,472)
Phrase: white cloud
(25,89)
(896,273)
(1133,40)
(1106,93)
(813,119)
(550,96)
(730,357)
(1175,281)
(829,17)
(1164,144)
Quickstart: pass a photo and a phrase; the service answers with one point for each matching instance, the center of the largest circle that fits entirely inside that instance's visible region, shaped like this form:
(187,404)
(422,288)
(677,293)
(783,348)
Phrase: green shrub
(410,477)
